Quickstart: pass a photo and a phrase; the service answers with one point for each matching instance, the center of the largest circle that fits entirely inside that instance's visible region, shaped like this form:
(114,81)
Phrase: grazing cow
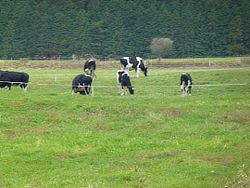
(82,84)
(134,63)
(9,78)
(186,84)
(90,65)
(124,80)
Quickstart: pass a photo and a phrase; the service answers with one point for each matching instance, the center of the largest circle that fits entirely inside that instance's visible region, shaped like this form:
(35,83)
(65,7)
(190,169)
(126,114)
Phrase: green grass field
(157,138)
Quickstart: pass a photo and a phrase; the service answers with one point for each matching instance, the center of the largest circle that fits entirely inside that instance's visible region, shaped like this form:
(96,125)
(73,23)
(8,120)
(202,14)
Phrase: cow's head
(144,69)
(131,90)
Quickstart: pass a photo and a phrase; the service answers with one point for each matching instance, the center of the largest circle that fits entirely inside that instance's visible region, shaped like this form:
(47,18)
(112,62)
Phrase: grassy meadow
(156,138)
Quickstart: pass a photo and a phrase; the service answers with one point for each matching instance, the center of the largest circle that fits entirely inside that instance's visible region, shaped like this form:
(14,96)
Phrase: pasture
(156,138)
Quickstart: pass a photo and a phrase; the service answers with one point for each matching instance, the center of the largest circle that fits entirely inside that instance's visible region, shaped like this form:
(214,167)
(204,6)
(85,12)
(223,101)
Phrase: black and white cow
(90,65)
(9,78)
(134,63)
(124,81)
(82,84)
(186,84)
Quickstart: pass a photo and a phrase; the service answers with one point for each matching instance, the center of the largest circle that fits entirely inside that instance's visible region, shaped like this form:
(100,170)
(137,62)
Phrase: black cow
(9,78)
(134,63)
(90,67)
(82,84)
(124,80)
(186,84)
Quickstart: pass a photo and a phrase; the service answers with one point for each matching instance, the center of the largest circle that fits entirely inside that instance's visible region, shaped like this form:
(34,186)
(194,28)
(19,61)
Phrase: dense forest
(115,28)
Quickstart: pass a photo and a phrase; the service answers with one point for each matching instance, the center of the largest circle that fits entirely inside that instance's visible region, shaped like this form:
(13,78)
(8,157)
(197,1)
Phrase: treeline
(115,28)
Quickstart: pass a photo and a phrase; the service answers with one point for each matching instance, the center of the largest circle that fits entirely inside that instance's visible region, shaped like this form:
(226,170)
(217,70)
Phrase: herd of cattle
(82,82)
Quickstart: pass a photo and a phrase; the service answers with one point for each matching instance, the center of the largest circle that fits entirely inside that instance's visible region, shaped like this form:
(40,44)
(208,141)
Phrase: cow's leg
(24,87)
(93,74)
(185,90)
(123,92)
(182,89)
(85,91)
(8,86)
(5,85)
(73,90)
(189,88)
(120,90)
(88,90)
(137,72)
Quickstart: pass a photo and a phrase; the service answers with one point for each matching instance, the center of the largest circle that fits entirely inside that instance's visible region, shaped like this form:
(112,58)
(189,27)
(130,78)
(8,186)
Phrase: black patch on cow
(186,81)
(124,62)
(134,62)
(9,78)
(144,69)
(124,81)
(82,84)
(90,64)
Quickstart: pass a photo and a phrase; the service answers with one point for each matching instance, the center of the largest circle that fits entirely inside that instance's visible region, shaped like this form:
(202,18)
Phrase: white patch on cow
(124,91)
(183,89)
(137,72)
(88,75)
(139,61)
(129,65)
(127,58)
(138,58)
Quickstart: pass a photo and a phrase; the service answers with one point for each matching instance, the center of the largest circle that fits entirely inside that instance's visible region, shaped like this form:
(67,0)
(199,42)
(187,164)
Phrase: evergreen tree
(115,28)
(245,24)
(10,47)
(235,37)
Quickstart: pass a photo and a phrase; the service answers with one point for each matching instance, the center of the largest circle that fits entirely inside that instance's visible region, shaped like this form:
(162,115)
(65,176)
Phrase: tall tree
(114,28)
(235,37)
(159,46)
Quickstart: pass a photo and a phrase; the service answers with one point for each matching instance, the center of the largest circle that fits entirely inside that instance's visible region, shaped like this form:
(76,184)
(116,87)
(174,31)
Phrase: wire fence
(57,80)
(145,86)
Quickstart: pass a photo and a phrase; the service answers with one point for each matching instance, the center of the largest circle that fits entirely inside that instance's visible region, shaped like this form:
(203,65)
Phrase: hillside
(114,28)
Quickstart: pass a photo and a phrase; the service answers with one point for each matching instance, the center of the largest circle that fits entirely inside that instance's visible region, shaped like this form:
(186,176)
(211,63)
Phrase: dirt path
(70,64)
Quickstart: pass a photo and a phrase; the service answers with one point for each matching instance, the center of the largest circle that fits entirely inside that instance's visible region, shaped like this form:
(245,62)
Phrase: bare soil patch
(238,116)
(72,64)
(176,112)
(225,160)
